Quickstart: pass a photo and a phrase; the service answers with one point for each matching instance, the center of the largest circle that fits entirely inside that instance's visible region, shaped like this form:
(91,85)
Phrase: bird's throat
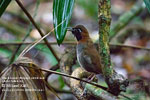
(78,36)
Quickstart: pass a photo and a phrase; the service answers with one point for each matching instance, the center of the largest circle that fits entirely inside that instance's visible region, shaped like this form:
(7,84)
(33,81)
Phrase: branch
(62,74)
(129,46)
(66,63)
(54,68)
(112,45)
(116,82)
(89,91)
(36,26)
(104,28)
(100,92)
(27,43)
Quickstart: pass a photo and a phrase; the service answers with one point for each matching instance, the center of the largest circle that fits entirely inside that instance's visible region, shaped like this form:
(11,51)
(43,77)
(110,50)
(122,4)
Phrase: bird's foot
(91,77)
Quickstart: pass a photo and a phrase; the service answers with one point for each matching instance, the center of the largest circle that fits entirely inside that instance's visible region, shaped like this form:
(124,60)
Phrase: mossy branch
(104,29)
(115,81)
(77,87)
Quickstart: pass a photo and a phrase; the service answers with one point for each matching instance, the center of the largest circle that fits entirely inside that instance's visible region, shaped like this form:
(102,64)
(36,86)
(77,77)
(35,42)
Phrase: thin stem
(74,43)
(125,97)
(27,43)
(66,75)
(129,46)
(36,26)
(61,91)
(54,68)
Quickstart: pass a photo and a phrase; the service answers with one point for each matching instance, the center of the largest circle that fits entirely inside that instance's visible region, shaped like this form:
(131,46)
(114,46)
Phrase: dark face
(79,31)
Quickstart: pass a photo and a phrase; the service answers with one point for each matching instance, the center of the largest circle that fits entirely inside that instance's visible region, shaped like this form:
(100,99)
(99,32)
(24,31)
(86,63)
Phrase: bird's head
(79,31)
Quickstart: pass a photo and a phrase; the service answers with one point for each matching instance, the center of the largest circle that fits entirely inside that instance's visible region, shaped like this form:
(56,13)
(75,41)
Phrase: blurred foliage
(135,96)
(5,52)
(61,82)
(49,56)
(147,3)
(90,7)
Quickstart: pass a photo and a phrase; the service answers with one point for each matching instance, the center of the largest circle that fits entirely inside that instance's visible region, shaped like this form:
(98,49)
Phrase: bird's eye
(76,30)
(79,30)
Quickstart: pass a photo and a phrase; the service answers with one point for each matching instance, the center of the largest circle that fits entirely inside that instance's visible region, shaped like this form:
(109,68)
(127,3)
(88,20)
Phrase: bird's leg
(89,79)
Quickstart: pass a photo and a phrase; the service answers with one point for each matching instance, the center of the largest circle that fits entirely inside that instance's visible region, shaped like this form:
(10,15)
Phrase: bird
(87,54)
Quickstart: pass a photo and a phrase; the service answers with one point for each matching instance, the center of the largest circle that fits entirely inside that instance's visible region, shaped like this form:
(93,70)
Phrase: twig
(39,30)
(63,74)
(125,96)
(129,46)
(54,68)
(62,91)
(74,43)
(27,43)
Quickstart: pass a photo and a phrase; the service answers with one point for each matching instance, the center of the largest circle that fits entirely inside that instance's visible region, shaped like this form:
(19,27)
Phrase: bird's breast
(80,51)
(80,47)
(84,60)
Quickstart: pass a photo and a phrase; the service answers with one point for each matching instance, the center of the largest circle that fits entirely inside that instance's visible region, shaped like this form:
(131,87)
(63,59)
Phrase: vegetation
(37,52)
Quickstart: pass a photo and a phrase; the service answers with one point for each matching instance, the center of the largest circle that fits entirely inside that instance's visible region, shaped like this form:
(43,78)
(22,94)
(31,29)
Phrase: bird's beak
(69,28)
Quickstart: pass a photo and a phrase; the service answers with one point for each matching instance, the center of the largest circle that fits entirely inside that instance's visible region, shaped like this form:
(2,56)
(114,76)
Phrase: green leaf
(61,82)
(147,3)
(5,52)
(3,6)
(62,11)
(90,7)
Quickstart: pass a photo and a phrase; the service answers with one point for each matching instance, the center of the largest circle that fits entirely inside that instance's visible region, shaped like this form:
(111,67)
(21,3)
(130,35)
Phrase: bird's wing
(91,56)
(87,59)
(91,63)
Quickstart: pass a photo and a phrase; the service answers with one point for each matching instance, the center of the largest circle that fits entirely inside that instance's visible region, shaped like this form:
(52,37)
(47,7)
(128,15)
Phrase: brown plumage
(87,55)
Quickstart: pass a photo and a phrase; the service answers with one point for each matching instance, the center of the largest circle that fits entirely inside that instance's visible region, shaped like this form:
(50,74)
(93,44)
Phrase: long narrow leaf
(3,6)
(147,3)
(62,10)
